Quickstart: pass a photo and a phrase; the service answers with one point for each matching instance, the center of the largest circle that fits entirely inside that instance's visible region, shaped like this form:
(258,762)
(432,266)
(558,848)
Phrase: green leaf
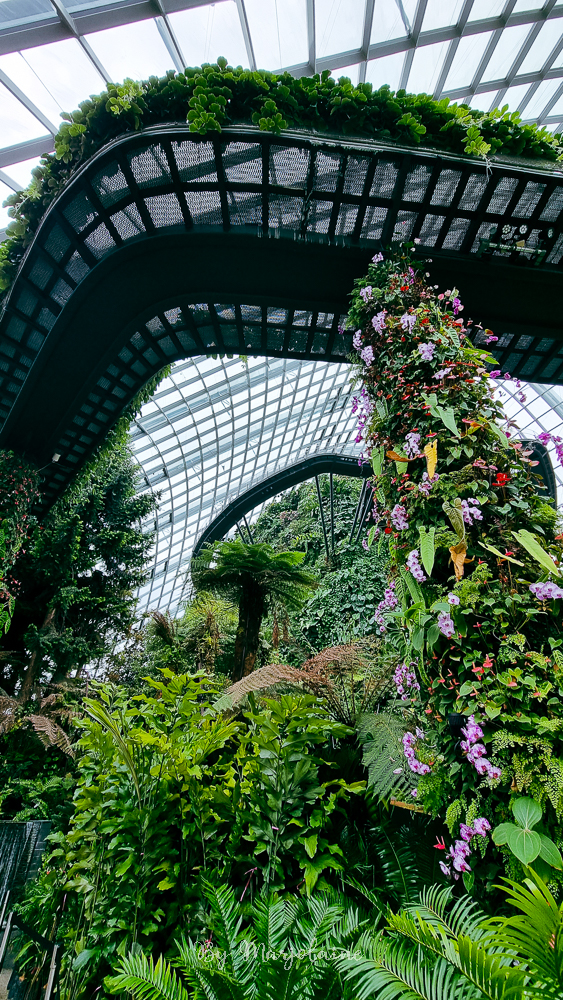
(524,844)
(377,461)
(432,636)
(447,417)
(125,865)
(310,844)
(498,431)
(527,812)
(531,544)
(427,548)
(502,832)
(418,639)
(497,552)
(550,852)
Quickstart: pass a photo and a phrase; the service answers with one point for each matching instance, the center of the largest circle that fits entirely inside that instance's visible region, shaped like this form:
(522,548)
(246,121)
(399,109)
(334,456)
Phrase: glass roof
(215,428)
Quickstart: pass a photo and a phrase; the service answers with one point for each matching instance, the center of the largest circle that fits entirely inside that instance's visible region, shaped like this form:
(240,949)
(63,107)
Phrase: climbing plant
(216,95)
(471,614)
(18,493)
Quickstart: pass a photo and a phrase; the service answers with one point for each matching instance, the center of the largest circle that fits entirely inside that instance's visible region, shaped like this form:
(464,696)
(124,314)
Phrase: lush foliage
(18,493)
(262,580)
(217,95)
(73,582)
(170,793)
(351,580)
(327,947)
(470,615)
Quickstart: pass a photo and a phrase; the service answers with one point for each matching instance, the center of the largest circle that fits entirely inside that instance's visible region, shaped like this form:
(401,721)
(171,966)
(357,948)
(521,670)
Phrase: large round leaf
(550,852)
(527,812)
(502,832)
(525,844)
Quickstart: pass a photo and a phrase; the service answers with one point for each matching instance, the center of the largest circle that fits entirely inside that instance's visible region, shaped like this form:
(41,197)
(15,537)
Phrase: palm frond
(146,980)
(536,935)
(260,680)
(489,972)
(382,737)
(393,971)
(226,923)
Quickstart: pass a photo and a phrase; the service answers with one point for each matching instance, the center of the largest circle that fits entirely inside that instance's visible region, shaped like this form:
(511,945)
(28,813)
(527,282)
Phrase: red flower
(502,479)
(439,845)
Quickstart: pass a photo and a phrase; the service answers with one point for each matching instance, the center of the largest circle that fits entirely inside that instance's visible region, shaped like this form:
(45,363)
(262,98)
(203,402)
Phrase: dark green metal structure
(167,245)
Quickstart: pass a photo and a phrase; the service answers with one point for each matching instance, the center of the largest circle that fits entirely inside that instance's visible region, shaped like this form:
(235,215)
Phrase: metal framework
(165,246)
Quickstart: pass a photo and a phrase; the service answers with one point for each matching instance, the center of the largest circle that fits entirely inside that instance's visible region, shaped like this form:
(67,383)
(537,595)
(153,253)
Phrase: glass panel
(56,77)
(17,124)
(21,172)
(506,52)
(514,96)
(540,50)
(204,33)
(279,32)
(133,50)
(482,9)
(338,26)
(426,67)
(22,11)
(387,22)
(467,58)
(439,14)
(4,217)
(541,99)
(385,70)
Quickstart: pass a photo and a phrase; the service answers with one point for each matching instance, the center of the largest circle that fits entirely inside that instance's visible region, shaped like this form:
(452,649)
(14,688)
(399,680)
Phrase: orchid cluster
(413,564)
(426,484)
(446,625)
(426,351)
(547,591)
(416,765)
(364,405)
(545,439)
(412,444)
(405,681)
(389,603)
(477,752)
(399,517)
(470,510)
(461,850)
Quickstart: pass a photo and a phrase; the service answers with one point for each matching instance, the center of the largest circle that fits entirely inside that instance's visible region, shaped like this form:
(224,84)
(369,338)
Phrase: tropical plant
(170,793)
(351,579)
(474,554)
(285,951)
(261,579)
(74,580)
(18,493)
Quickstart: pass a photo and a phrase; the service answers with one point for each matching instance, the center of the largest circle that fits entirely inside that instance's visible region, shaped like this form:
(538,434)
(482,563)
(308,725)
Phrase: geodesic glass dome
(218,427)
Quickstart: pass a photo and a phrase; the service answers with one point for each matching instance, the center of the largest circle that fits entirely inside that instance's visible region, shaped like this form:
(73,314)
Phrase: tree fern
(388,773)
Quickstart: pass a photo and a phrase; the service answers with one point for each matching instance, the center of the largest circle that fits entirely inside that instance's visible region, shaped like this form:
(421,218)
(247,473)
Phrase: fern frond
(51,734)
(382,737)
(259,680)
(146,980)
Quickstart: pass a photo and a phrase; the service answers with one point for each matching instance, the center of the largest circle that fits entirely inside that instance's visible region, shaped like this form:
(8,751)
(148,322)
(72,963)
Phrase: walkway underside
(165,246)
